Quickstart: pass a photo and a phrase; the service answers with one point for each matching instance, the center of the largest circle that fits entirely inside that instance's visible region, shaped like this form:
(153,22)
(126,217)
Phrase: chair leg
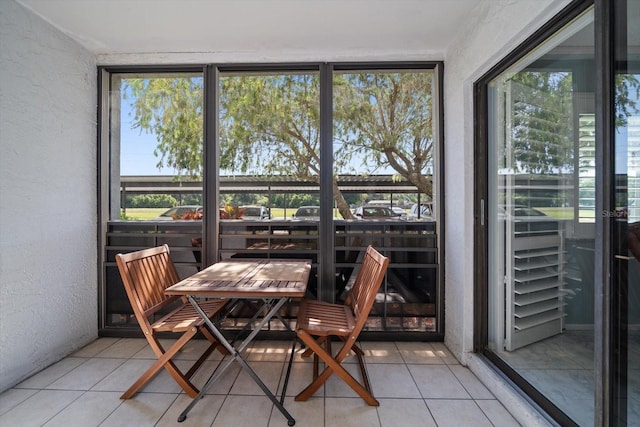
(363,369)
(332,365)
(327,347)
(308,351)
(164,361)
(316,364)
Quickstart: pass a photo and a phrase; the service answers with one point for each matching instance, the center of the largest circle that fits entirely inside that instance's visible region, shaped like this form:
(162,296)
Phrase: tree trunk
(424,184)
(343,206)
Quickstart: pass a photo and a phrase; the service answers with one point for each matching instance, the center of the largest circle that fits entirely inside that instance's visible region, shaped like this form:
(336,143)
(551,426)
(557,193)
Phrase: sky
(136,148)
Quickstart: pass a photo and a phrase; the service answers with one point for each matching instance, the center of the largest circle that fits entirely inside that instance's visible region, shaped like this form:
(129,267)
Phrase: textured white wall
(48,290)
(501,26)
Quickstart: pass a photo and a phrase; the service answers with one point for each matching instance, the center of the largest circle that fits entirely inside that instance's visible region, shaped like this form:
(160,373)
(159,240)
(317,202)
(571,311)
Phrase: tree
(541,122)
(627,96)
(151,201)
(386,119)
(269,124)
(542,125)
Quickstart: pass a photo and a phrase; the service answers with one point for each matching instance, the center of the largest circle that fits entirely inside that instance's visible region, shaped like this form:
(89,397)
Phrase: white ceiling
(204,26)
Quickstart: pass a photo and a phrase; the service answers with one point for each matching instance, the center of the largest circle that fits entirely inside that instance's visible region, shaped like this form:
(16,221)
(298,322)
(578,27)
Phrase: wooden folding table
(272,281)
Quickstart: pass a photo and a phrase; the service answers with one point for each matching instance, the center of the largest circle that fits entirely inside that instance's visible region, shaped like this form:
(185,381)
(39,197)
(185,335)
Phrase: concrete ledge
(519,405)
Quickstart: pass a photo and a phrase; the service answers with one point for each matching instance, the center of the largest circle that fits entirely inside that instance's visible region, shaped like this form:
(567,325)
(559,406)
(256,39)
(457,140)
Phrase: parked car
(522,213)
(401,213)
(421,211)
(374,212)
(308,213)
(181,212)
(255,212)
(525,211)
(529,221)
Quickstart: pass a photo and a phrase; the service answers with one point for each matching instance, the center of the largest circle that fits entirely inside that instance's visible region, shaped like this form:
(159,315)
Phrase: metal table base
(235,353)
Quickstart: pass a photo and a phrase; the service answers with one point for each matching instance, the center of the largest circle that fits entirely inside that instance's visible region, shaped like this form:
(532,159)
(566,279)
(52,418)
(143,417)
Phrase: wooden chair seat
(319,321)
(185,317)
(323,319)
(145,275)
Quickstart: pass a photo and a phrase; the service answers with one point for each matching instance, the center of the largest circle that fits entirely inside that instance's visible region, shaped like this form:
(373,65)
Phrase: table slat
(248,279)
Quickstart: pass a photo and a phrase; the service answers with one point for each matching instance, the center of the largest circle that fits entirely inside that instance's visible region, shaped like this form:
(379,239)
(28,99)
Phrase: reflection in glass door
(625,215)
(541,220)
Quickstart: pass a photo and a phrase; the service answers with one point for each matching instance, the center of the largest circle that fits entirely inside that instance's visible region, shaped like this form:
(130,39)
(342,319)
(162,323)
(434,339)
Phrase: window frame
(211,191)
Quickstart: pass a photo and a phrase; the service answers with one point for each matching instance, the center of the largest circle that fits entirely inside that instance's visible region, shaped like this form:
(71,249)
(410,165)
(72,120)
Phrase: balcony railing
(408,300)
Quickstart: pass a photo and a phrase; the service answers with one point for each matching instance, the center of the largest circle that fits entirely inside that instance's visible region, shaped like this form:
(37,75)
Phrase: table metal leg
(236,355)
(286,377)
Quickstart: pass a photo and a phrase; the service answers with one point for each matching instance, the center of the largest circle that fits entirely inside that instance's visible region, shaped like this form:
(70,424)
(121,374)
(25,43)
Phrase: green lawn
(566,213)
(560,213)
(151,213)
(144,213)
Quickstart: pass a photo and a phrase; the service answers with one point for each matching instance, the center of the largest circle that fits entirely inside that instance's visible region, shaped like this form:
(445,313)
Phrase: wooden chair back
(363,293)
(146,274)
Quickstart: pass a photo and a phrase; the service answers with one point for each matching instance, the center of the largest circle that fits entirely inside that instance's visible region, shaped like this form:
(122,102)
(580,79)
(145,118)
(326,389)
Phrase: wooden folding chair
(146,274)
(319,321)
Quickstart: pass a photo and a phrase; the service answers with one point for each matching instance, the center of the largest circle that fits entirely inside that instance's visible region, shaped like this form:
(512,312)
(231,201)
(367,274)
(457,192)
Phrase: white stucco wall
(48,290)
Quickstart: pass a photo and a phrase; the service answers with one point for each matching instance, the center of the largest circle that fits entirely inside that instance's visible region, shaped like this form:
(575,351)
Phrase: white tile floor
(417,384)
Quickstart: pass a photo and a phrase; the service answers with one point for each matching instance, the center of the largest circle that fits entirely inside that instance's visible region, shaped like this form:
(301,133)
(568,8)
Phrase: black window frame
(211,74)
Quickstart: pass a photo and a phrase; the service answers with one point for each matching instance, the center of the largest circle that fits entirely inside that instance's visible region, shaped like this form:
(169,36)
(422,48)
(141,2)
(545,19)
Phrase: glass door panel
(385,134)
(541,215)
(269,165)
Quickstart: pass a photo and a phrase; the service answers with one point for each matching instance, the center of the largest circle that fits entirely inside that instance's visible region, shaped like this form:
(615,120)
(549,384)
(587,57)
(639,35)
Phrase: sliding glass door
(560,215)
(541,216)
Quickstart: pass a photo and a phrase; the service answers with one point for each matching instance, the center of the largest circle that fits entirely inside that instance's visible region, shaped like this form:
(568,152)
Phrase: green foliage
(386,119)
(626,97)
(241,199)
(152,201)
(298,199)
(542,131)
(189,199)
(270,124)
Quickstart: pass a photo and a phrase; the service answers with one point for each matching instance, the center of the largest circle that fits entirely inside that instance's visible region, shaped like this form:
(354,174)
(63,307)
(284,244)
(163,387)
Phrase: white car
(374,212)
(399,211)
(421,211)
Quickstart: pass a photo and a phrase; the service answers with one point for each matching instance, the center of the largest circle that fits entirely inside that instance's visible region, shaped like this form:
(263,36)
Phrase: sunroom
(510,179)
